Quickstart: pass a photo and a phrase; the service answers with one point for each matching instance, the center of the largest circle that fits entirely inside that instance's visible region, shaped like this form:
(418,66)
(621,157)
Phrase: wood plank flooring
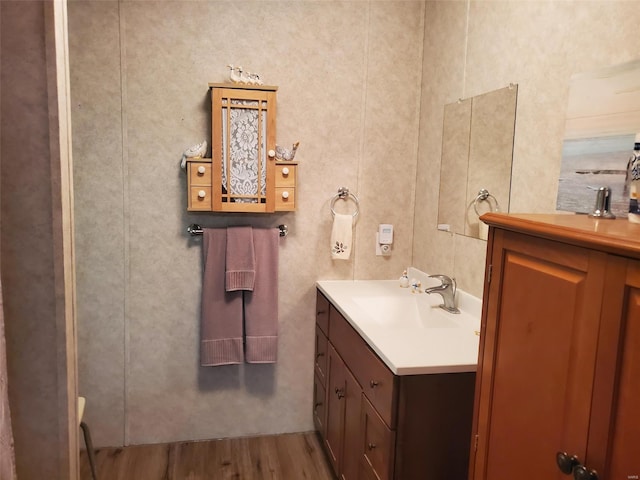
(296,456)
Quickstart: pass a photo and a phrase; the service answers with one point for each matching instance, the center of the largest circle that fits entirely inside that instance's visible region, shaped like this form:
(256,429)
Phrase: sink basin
(407,311)
(408,331)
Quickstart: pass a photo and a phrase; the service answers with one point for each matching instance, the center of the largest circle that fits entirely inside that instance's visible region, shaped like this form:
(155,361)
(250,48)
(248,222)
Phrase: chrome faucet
(447,289)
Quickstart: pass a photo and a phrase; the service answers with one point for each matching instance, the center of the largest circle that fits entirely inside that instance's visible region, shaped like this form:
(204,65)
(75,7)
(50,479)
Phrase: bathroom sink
(407,311)
(408,330)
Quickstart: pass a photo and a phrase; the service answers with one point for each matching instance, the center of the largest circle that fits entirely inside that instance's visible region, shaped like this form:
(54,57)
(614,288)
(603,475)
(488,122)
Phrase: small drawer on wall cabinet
(200,198)
(285,198)
(285,175)
(199,173)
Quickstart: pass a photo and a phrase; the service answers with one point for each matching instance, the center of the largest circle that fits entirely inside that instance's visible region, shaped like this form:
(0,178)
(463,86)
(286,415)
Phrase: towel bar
(195,229)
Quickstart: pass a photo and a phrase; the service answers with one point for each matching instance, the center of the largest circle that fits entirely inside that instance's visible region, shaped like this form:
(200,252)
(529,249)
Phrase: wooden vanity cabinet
(559,365)
(380,426)
(321,356)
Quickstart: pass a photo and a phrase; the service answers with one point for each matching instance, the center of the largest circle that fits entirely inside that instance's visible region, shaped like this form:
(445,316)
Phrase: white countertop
(385,315)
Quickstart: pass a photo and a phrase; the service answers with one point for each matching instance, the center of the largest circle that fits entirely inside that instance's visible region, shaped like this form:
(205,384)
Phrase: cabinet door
(343,417)
(377,446)
(352,428)
(336,391)
(319,405)
(615,430)
(243,131)
(537,357)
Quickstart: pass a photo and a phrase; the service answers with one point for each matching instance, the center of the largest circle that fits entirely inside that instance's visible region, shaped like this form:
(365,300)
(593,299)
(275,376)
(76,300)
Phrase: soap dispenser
(404,280)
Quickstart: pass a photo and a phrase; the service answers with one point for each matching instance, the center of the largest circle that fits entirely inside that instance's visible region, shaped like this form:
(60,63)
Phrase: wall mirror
(603,118)
(477,153)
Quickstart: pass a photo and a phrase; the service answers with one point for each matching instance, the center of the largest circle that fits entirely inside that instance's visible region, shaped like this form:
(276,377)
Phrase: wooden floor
(286,457)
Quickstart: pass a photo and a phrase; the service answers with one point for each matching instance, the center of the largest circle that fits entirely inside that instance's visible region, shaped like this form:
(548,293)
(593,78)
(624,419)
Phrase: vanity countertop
(407,330)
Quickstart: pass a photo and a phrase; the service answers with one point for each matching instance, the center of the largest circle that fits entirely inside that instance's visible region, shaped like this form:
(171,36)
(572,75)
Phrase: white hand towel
(341,236)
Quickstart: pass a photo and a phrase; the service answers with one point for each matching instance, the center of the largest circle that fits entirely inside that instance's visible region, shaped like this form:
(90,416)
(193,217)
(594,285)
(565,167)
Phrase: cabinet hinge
(489,271)
(475,443)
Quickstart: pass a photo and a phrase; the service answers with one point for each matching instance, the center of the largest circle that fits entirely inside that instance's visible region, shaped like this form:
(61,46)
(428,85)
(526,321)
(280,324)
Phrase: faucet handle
(444,279)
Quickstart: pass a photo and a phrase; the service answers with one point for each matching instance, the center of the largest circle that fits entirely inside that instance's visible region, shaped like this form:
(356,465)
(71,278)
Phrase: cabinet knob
(371,446)
(202,194)
(582,473)
(285,195)
(201,169)
(339,392)
(285,171)
(271,153)
(373,384)
(566,463)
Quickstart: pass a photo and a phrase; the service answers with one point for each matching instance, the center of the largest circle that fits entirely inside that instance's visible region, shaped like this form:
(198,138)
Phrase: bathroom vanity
(559,366)
(393,390)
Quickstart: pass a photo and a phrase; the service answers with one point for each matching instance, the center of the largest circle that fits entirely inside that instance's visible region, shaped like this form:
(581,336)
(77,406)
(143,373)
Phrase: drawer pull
(373,384)
(285,171)
(318,404)
(339,392)
(285,195)
(201,169)
(371,446)
(202,194)
(271,153)
(320,312)
(319,354)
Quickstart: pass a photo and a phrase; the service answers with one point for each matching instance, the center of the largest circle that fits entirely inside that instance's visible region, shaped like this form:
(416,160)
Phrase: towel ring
(343,193)
(484,196)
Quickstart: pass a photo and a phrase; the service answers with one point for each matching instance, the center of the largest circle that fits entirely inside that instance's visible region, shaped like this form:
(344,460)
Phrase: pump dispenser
(633,181)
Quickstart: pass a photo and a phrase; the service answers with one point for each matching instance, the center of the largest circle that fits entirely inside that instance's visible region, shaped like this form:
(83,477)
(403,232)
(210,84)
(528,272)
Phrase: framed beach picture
(603,119)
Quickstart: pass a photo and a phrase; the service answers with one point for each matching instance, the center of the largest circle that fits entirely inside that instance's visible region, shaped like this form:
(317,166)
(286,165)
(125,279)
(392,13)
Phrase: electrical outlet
(382,250)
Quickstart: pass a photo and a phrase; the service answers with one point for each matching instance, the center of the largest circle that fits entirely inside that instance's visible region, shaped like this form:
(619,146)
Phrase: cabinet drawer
(287,179)
(319,408)
(322,312)
(199,173)
(288,203)
(198,202)
(377,445)
(377,381)
(321,355)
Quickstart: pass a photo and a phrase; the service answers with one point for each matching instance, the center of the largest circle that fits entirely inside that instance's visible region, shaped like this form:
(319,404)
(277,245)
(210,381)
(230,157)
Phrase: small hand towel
(341,236)
(261,305)
(240,262)
(221,323)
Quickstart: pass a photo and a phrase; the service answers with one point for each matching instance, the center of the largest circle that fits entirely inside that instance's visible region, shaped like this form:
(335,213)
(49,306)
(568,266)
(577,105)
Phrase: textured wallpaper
(348,77)
(362,86)
(478,46)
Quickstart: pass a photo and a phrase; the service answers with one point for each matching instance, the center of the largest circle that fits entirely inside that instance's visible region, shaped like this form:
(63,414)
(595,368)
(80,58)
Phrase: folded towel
(261,305)
(341,236)
(240,261)
(221,323)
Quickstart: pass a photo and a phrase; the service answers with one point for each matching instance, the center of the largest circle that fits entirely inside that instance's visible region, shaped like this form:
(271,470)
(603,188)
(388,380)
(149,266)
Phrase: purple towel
(221,322)
(240,264)
(261,305)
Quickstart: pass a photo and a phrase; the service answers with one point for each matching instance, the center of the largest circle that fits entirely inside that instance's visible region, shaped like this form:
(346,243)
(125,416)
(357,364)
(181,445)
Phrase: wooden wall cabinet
(243,174)
(377,425)
(559,368)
